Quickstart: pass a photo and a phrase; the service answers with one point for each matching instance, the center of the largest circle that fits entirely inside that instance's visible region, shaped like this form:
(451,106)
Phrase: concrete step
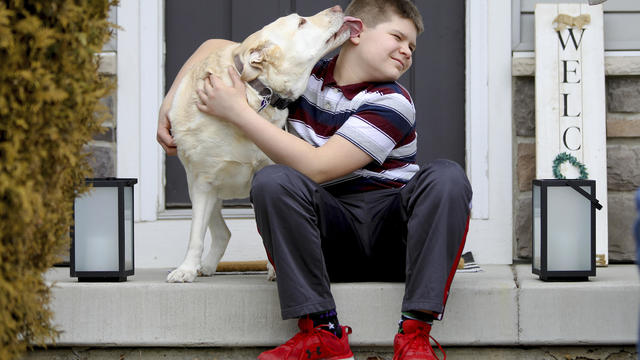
(504,305)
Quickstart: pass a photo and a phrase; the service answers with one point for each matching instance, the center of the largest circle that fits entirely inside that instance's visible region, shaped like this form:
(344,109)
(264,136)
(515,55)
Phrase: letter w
(573,39)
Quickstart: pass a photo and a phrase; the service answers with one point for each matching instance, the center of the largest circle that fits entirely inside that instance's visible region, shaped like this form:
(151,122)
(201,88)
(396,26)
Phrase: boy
(347,202)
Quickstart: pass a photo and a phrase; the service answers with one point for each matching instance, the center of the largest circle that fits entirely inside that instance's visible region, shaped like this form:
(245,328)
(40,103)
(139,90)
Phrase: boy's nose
(406,51)
(336,8)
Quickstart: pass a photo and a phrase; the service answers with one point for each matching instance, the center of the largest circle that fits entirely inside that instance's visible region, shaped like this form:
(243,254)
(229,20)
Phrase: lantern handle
(590,197)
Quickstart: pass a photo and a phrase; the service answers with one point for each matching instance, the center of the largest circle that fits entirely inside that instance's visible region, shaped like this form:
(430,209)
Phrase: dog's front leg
(220,235)
(202,203)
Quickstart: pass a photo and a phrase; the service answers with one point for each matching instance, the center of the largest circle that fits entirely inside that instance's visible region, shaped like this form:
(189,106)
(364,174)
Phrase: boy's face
(386,50)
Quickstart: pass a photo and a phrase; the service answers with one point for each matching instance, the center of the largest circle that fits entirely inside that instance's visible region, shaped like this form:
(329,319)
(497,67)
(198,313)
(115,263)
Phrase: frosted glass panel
(96,230)
(569,229)
(128,228)
(537,223)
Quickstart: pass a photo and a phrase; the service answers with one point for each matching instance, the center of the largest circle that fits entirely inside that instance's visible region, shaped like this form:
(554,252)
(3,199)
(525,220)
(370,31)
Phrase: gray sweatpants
(414,234)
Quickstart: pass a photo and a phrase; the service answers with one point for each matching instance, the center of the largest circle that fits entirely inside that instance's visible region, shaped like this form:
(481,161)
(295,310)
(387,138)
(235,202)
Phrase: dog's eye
(302,22)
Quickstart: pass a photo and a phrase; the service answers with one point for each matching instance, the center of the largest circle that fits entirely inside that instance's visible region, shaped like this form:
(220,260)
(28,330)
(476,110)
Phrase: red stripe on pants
(454,268)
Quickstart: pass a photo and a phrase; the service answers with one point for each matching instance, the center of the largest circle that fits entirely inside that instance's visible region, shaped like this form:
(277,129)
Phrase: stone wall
(103,146)
(623,159)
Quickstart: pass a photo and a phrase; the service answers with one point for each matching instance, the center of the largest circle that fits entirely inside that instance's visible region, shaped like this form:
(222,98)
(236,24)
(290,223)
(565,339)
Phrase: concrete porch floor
(505,305)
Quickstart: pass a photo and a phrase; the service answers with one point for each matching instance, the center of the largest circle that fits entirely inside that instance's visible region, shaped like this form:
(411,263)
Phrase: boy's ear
(355,40)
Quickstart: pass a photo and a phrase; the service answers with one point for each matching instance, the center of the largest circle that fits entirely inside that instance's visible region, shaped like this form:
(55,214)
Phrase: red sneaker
(312,344)
(414,343)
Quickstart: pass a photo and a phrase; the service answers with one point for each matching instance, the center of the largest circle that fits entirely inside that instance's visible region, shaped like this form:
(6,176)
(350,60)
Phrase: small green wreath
(564,157)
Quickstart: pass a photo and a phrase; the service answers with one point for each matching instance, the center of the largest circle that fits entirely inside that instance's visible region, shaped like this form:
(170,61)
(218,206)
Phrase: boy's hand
(220,100)
(164,132)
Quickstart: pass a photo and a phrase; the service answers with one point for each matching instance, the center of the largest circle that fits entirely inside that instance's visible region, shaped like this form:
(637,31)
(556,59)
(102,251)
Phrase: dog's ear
(253,64)
(256,57)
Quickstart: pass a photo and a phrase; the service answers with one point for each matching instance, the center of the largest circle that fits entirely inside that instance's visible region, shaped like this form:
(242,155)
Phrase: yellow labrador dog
(275,63)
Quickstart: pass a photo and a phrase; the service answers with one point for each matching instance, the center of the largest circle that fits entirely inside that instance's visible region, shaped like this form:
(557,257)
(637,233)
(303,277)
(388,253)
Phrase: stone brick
(623,125)
(622,215)
(526,166)
(523,66)
(108,63)
(622,65)
(524,104)
(110,102)
(108,135)
(623,167)
(102,160)
(623,94)
(523,226)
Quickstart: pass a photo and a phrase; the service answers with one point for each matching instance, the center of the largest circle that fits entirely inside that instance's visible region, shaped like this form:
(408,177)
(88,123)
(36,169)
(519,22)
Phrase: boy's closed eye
(401,37)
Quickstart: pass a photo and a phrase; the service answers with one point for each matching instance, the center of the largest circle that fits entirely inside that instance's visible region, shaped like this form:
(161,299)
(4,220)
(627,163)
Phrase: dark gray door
(436,80)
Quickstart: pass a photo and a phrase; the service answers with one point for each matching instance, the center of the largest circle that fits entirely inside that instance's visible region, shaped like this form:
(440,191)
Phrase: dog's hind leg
(202,203)
(220,235)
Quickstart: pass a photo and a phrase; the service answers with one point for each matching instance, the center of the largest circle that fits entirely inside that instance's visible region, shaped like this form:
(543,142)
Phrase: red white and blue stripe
(378,118)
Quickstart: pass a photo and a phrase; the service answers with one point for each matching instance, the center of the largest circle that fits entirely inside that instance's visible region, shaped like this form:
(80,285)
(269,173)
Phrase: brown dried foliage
(49,109)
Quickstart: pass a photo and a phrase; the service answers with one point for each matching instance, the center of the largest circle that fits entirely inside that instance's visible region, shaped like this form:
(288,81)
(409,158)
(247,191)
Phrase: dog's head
(283,53)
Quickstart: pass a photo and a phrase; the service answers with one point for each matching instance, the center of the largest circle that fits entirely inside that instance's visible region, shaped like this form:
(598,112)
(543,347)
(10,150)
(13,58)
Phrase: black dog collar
(268,96)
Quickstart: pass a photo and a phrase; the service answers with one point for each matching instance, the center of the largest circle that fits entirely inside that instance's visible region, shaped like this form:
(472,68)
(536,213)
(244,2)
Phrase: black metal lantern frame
(123,269)
(540,246)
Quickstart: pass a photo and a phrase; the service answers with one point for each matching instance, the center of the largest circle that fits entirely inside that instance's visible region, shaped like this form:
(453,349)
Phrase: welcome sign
(570,98)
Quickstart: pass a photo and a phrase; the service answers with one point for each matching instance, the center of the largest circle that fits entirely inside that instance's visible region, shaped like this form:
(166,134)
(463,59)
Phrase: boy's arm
(336,158)
(163,134)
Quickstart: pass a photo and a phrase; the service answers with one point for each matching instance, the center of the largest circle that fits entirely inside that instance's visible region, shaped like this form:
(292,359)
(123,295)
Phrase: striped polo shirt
(378,118)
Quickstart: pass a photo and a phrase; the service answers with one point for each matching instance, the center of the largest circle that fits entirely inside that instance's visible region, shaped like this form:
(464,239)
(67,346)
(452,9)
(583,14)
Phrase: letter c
(564,138)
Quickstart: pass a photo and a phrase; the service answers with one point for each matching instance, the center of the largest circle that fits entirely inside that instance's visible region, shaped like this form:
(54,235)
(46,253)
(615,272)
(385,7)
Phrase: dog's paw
(271,272)
(181,275)
(207,270)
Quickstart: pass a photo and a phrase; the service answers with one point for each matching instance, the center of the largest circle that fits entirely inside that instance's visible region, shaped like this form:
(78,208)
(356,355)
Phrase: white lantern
(102,234)
(564,229)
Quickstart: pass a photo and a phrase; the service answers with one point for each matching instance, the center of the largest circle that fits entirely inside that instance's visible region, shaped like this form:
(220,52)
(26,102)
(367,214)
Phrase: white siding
(621,19)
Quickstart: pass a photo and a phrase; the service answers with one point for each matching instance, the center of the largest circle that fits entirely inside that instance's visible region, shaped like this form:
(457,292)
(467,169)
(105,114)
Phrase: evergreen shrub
(49,110)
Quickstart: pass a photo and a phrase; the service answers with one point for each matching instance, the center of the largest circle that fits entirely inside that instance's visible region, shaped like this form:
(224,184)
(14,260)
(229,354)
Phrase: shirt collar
(349,91)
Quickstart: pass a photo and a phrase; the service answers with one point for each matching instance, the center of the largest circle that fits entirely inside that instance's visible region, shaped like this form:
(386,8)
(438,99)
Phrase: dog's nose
(336,8)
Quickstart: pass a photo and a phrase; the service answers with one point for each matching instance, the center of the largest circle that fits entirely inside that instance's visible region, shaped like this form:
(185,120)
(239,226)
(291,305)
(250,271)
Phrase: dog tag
(263,104)
(266,99)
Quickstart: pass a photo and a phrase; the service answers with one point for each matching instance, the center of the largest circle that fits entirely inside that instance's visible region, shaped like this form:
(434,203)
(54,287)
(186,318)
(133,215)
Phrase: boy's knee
(271,181)
(447,178)
(266,174)
(265,179)
(446,172)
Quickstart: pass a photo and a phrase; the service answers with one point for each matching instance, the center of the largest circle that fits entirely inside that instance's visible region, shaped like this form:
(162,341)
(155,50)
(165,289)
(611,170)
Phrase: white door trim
(477,109)
(489,131)
(140,45)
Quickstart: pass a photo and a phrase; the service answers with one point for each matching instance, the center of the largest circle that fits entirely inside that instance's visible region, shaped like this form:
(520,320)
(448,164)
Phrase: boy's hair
(374,12)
